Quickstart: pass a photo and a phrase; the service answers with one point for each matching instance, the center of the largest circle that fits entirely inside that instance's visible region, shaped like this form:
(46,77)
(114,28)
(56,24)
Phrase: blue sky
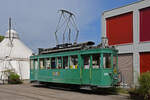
(36,20)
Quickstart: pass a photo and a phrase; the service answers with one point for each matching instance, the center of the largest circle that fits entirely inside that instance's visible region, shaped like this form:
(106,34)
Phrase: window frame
(99,65)
(55,60)
(77,65)
(89,62)
(111,61)
(63,60)
(43,64)
(48,63)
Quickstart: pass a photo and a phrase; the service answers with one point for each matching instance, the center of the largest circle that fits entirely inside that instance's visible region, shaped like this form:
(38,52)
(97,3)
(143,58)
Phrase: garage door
(125,63)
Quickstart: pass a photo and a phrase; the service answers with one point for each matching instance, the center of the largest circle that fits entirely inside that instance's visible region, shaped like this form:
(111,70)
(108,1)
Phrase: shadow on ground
(99,91)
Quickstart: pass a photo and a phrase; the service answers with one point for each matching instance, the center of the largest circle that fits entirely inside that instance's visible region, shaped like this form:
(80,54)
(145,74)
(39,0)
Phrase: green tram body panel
(101,77)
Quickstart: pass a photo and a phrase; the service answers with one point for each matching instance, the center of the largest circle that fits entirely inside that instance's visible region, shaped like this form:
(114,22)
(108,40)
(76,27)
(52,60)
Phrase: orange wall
(144,62)
(120,29)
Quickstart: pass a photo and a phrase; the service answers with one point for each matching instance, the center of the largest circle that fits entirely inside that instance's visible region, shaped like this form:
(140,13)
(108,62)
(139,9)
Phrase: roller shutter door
(144,24)
(125,63)
(119,29)
(144,62)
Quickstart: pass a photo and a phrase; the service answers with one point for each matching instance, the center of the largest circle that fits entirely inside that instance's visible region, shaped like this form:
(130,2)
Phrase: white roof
(13,47)
(14,55)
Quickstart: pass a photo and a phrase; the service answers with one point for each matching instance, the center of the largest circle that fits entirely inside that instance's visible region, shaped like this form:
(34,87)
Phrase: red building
(128,28)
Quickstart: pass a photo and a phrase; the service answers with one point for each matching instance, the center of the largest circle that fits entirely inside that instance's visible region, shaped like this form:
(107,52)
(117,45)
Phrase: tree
(1,38)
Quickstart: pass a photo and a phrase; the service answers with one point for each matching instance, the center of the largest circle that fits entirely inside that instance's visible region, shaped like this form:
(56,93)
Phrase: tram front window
(86,62)
(96,61)
(31,64)
(107,60)
(36,64)
(73,62)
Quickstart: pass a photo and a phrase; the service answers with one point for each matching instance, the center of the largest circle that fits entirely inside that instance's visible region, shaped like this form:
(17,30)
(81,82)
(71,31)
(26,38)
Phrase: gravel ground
(30,92)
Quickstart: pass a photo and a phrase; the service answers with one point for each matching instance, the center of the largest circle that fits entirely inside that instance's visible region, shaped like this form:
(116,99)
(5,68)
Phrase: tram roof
(69,47)
(75,51)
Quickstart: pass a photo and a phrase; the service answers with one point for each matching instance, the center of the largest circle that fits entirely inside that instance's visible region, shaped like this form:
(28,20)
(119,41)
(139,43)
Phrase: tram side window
(59,63)
(86,62)
(73,62)
(53,63)
(42,64)
(107,60)
(31,64)
(47,61)
(96,61)
(65,62)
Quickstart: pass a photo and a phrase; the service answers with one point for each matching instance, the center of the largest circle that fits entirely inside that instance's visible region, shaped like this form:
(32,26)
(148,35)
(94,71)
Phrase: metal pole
(9,27)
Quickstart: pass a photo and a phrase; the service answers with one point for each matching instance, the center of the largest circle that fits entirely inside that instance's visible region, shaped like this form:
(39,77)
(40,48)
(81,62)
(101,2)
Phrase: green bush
(144,85)
(14,78)
(142,92)
(1,38)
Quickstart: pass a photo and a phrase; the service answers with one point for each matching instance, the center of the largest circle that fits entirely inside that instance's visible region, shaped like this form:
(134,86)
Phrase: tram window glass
(59,63)
(31,64)
(107,60)
(47,61)
(86,62)
(114,61)
(96,61)
(65,62)
(36,64)
(53,63)
(73,62)
(42,64)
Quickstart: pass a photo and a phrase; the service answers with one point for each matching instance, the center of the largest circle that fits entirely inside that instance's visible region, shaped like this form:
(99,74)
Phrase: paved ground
(28,92)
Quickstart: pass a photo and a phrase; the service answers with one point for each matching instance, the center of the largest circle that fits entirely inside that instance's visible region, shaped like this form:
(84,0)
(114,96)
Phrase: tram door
(86,62)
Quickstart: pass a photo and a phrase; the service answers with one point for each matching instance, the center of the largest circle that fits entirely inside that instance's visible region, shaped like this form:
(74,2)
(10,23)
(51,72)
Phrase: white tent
(14,55)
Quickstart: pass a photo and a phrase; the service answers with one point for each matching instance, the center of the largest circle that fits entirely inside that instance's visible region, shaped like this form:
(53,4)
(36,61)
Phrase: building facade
(128,28)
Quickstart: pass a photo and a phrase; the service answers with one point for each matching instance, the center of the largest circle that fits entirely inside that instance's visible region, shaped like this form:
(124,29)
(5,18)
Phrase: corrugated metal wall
(125,63)
(119,29)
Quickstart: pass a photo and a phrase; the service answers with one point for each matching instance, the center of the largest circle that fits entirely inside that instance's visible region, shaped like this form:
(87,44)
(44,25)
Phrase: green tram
(80,64)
